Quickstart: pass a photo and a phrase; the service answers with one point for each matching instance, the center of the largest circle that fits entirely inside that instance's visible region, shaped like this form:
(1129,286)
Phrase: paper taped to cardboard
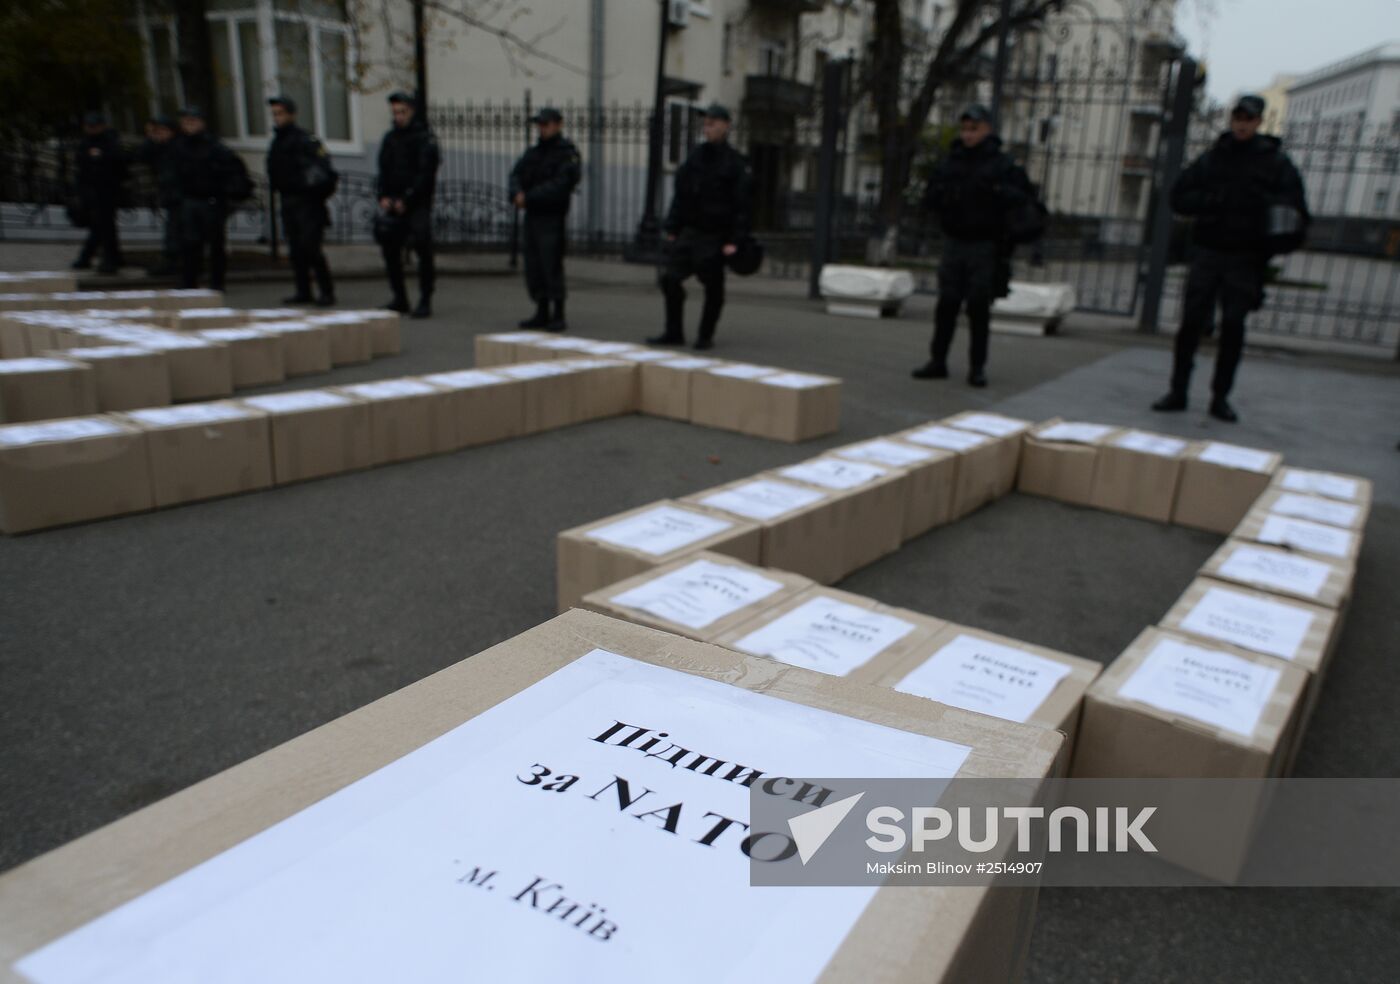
(947,438)
(1271,569)
(1315,509)
(988,677)
(763,499)
(68,429)
(1215,688)
(660,531)
(699,594)
(990,424)
(1274,628)
(1164,447)
(826,635)
(885,452)
(1302,534)
(834,473)
(1074,433)
(1321,483)
(1234,456)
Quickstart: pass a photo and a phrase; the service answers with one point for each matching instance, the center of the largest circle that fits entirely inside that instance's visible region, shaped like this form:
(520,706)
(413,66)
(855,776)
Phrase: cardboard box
(1345,488)
(610,550)
(199,319)
(980,461)
(1262,525)
(173,300)
(205,450)
(701,596)
(316,433)
(551,393)
(257,357)
(874,501)
(351,342)
(1282,572)
(408,418)
(37,281)
(1219,483)
(199,369)
(835,633)
(997,675)
(932,478)
(1007,432)
(803,528)
(778,405)
(1059,460)
(666,385)
(504,348)
(258,315)
(126,376)
(553,347)
(604,388)
(306,348)
(1315,508)
(41,389)
(481,407)
(68,471)
(724,396)
(384,327)
(1138,473)
(933,935)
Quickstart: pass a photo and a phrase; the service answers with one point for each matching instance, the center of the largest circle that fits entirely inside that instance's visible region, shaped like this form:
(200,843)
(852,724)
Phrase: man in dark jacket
(300,171)
(1229,191)
(101,170)
(972,191)
(158,153)
(542,185)
(408,163)
(207,174)
(708,218)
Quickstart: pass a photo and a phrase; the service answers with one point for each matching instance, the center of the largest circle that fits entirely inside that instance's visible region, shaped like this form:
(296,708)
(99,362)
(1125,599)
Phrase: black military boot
(540,319)
(399,303)
(298,298)
(325,300)
(1173,402)
(1220,409)
(557,322)
(931,370)
(977,378)
(424,308)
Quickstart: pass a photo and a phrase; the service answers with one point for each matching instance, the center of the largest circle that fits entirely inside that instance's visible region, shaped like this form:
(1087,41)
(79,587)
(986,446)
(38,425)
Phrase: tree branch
(513,43)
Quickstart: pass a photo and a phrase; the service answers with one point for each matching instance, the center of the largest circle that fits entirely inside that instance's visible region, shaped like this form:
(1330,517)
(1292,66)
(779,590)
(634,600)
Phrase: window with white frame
(682,129)
(772,58)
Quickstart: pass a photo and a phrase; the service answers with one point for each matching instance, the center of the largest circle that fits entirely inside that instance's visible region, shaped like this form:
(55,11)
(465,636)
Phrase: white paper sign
(1275,569)
(834,473)
(646,355)
(190,413)
(532,370)
(1074,433)
(16,366)
(699,594)
(763,499)
(566,344)
(232,334)
(947,438)
(108,352)
(1321,483)
(279,314)
(70,429)
(514,336)
(1302,534)
(388,389)
(660,531)
(795,380)
(987,677)
(196,313)
(1274,628)
(826,635)
(288,327)
(741,370)
(464,379)
(607,348)
(443,865)
(1164,447)
(1315,509)
(990,424)
(688,363)
(1215,688)
(889,453)
(169,340)
(300,400)
(1234,456)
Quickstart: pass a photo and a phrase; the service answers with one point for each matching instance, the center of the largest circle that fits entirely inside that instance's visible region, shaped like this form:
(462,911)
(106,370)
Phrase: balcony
(772,95)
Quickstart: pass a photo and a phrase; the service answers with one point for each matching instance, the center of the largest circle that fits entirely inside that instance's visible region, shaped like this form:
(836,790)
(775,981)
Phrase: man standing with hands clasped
(709,217)
(408,163)
(542,186)
(300,171)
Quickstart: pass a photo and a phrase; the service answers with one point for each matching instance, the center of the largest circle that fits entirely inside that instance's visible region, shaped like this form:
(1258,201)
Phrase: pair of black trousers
(544,257)
(1235,281)
(415,231)
(701,255)
(304,227)
(202,228)
(967,275)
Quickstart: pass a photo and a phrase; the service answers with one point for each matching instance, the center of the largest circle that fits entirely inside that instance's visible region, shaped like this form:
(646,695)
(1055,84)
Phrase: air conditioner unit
(678,12)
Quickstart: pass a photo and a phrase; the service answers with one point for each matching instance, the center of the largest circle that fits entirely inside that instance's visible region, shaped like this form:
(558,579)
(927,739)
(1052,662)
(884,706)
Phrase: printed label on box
(1273,569)
(988,677)
(660,531)
(465,852)
(388,389)
(1321,483)
(990,424)
(567,344)
(108,352)
(190,413)
(464,379)
(1233,456)
(514,336)
(532,370)
(647,355)
(607,348)
(1164,447)
(795,380)
(883,452)
(1074,433)
(1303,534)
(1274,628)
(947,438)
(833,473)
(301,400)
(1215,688)
(1315,509)
(232,334)
(742,371)
(763,499)
(688,363)
(16,366)
(699,594)
(826,635)
(68,429)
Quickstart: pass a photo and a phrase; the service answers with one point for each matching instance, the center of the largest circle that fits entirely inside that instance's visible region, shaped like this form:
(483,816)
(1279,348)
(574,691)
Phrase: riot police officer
(300,171)
(542,185)
(101,170)
(972,190)
(210,177)
(708,218)
(158,153)
(1230,191)
(408,163)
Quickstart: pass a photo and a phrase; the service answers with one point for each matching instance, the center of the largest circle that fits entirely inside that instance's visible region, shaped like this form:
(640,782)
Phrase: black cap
(977,113)
(407,98)
(1251,106)
(286,102)
(192,111)
(547,114)
(93,118)
(716,111)
(160,119)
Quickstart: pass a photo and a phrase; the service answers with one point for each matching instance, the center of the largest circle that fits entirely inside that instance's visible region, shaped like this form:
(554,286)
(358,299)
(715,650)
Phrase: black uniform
(300,171)
(709,209)
(408,163)
(547,174)
(101,170)
(160,158)
(1228,191)
(972,191)
(206,171)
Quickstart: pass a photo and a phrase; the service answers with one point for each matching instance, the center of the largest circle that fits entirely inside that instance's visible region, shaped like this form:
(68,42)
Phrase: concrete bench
(1032,309)
(864,292)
